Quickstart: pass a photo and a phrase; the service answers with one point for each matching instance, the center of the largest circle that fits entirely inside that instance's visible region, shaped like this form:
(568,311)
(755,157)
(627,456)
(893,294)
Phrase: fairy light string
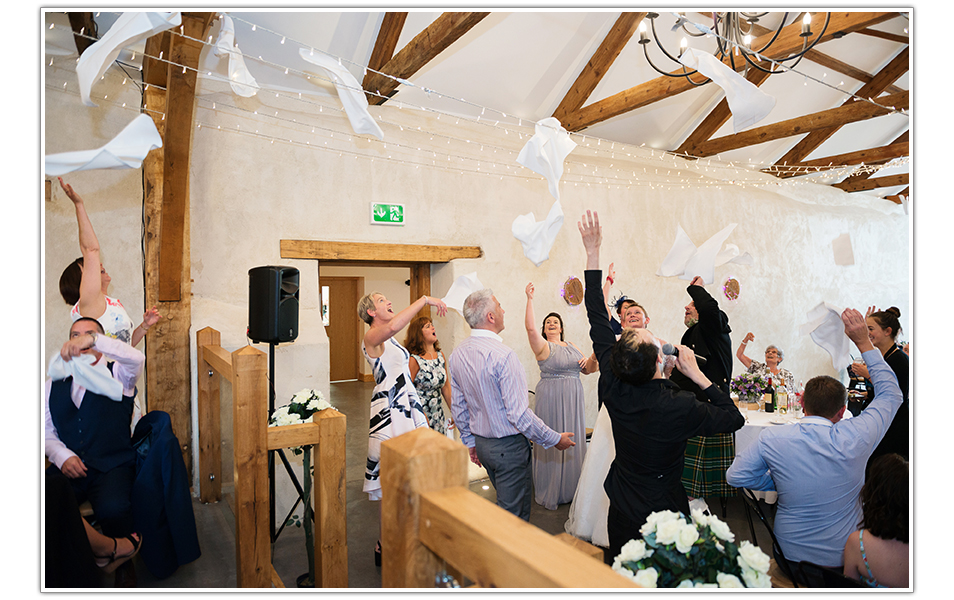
(575,163)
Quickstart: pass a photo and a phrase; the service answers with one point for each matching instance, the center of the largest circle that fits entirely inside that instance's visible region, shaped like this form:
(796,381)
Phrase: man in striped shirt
(489,404)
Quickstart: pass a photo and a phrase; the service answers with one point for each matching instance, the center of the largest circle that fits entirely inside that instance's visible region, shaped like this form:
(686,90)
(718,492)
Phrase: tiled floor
(216,524)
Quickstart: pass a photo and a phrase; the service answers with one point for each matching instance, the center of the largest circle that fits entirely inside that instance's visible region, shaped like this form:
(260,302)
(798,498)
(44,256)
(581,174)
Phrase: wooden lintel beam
(901,39)
(851,113)
(896,67)
(386,42)
(788,41)
(356,251)
(444,31)
(870,156)
(717,118)
(614,42)
(874,183)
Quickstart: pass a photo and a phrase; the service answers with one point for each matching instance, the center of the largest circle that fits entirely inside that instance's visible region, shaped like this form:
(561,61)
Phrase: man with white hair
(490,408)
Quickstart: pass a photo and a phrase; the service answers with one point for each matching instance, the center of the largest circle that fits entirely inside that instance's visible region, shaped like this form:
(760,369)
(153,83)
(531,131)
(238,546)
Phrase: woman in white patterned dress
(395,406)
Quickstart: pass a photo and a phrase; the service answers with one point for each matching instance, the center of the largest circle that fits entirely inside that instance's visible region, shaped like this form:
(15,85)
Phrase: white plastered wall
(248,192)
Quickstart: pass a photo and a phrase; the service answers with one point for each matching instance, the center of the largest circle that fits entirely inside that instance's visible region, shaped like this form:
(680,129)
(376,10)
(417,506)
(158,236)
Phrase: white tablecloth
(756,422)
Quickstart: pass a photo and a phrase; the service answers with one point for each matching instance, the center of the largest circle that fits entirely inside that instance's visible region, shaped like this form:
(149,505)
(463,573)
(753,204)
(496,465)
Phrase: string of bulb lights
(570,167)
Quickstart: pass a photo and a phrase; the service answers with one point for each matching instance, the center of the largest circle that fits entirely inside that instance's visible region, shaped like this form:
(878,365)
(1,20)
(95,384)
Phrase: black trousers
(110,495)
(68,557)
(621,529)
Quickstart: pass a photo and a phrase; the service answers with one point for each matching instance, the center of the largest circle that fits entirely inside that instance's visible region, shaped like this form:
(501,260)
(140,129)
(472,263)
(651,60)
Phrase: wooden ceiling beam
(906,192)
(614,42)
(851,113)
(845,69)
(893,37)
(871,156)
(901,139)
(85,31)
(384,45)
(444,31)
(788,42)
(874,183)
(895,68)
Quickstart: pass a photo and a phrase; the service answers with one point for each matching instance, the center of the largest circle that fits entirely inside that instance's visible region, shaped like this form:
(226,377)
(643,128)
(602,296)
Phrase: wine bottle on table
(768,397)
(781,397)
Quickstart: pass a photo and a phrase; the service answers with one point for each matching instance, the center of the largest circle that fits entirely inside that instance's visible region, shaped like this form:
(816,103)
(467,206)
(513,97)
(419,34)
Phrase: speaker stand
(281,454)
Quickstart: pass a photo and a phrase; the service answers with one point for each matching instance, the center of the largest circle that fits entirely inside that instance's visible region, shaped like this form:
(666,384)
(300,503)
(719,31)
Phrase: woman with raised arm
(85,281)
(559,402)
(770,368)
(428,368)
(395,405)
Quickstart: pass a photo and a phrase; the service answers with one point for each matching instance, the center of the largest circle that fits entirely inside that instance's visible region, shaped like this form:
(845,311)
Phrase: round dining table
(755,422)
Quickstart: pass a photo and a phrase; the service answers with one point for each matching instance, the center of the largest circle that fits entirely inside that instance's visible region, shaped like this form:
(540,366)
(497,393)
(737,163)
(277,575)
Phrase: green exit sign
(387,214)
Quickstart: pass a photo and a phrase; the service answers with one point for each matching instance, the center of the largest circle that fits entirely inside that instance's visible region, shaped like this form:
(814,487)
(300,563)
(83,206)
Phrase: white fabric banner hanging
(748,103)
(545,152)
(130,28)
(125,151)
(350,92)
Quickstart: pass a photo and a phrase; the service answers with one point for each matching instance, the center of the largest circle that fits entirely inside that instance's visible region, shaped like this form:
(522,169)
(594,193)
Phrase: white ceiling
(522,63)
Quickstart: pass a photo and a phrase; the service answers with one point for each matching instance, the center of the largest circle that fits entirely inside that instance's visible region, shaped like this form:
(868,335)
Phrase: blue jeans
(507,461)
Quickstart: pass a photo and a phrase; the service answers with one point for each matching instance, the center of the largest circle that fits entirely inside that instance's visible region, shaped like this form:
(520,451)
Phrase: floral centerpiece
(748,386)
(302,409)
(702,553)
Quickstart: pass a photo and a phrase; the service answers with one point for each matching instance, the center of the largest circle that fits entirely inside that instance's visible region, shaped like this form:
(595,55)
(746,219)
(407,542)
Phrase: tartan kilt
(707,459)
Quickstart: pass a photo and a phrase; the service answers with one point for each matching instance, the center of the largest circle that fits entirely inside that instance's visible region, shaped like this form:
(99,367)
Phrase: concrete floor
(216,522)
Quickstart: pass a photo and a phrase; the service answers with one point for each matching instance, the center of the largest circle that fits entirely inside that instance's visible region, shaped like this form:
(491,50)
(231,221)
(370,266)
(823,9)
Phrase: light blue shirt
(489,392)
(818,467)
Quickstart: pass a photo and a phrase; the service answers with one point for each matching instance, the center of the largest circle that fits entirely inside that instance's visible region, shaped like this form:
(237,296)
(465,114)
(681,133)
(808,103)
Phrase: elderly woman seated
(770,368)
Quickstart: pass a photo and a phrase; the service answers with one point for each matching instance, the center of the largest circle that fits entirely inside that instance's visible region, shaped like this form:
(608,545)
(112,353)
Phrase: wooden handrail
(429,519)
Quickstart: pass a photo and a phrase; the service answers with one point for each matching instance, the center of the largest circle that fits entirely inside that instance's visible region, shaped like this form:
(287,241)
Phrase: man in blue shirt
(818,465)
(490,407)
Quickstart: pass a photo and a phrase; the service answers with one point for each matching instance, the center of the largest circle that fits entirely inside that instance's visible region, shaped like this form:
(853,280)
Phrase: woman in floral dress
(428,368)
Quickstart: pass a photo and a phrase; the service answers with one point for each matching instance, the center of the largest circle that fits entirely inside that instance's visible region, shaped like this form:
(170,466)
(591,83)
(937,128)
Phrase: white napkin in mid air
(545,152)
(240,78)
(828,331)
(349,92)
(686,261)
(537,237)
(130,28)
(748,103)
(81,369)
(463,286)
(125,151)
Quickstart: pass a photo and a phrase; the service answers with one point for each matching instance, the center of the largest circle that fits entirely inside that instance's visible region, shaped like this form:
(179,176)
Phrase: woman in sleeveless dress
(559,403)
(395,406)
(84,283)
(428,368)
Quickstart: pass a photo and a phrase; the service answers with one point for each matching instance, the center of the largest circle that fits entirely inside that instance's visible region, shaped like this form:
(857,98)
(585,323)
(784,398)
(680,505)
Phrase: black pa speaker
(273,304)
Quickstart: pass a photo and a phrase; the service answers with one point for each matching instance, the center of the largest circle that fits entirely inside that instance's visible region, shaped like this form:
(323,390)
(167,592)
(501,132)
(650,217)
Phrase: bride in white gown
(590,505)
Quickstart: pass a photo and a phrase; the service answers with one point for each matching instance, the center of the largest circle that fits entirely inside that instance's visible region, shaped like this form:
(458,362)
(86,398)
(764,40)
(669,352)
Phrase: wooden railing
(247,370)
(431,521)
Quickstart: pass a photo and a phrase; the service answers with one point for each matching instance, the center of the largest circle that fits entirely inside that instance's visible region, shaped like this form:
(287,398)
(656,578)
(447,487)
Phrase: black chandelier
(733,34)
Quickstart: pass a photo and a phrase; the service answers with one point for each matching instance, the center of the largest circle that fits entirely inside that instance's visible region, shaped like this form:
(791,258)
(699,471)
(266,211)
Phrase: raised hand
(438,304)
(73,196)
(592,235)
(748,338)
(856,329)
(150,317)
(697,280)
(529,291)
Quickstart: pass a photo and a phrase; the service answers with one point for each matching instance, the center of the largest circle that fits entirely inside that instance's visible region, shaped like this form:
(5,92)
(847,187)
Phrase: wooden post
(418,461)
(210,429)
(330,502)
(250,421)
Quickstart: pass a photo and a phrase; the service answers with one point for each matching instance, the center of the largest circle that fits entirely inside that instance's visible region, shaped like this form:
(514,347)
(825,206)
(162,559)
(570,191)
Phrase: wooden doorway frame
(418,259)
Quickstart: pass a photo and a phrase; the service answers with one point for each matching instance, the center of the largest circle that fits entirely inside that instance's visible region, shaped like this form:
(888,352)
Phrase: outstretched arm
(92,301)
(378,335)
(149,318)
(592,235)
(740,353)
(539,345)
(610,280)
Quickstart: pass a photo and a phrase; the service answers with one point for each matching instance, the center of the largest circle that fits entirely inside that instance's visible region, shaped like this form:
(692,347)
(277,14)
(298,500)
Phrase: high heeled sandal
(110,563)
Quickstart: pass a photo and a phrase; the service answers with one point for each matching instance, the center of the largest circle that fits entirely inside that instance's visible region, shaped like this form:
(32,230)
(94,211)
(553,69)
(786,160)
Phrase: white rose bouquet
(701,553)
(301,409)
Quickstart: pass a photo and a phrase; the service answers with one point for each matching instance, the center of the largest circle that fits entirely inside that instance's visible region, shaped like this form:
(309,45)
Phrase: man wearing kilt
(707,333)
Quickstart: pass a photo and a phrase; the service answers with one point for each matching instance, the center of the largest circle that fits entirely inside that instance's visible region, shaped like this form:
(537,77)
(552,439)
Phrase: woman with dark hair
(83,284)
(883,329)
(559,402)
(877,554)
(428,368)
